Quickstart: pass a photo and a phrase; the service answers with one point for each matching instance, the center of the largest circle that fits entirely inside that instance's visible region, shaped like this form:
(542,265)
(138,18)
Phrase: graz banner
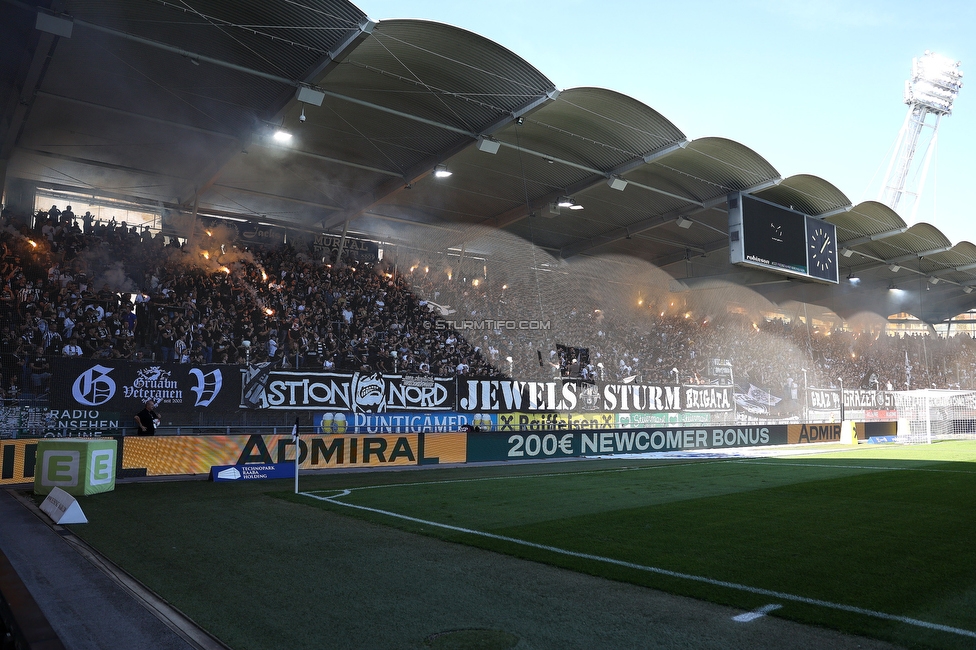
(508,395)
(265,387)
(823,399)
(92,385)
(528,446)
(869,399)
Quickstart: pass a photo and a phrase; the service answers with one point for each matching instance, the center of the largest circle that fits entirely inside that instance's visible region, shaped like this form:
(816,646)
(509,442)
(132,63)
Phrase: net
(928,415)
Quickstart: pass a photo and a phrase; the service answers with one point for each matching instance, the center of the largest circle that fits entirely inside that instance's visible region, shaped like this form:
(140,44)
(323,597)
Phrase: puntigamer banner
(507,395)
(93,386)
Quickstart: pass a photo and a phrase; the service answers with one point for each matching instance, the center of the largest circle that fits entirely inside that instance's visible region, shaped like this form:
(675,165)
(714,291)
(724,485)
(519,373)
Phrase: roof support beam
(391,187)
(98,163)
(656,221)
(520,212)
(319,69)
(912,256)
(138,116)
(15,116)
(275,197)
(869,238)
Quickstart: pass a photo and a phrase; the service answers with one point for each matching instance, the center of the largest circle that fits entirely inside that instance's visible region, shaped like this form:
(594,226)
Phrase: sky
(813,86)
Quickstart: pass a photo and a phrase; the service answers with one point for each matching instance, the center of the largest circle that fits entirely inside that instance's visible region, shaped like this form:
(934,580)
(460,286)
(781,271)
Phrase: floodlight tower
(933,86)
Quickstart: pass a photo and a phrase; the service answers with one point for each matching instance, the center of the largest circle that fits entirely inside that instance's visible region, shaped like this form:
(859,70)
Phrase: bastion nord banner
(266,387)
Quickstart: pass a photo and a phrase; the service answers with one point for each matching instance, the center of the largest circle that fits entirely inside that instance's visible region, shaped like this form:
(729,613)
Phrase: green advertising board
(77,466)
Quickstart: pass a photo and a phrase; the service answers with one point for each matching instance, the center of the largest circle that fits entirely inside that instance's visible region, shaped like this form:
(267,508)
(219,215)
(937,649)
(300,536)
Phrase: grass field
(877,541)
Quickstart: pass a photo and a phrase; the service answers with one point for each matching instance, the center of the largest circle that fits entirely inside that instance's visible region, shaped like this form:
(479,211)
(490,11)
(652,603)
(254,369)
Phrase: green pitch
(876,540)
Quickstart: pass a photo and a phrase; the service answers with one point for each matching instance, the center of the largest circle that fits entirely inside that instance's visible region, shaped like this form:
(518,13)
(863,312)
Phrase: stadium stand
(116,293)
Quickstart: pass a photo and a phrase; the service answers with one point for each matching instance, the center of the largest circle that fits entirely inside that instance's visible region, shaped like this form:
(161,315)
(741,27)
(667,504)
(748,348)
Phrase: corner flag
(298,451)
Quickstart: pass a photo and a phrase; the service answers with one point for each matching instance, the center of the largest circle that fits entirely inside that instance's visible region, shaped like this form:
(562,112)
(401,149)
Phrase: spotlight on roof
(568,202)
(488,145)
(967,289)
(846,252)
(441,171)
(894,268)
(892,287)
(684,223)
(933,280)
(616,183)
(852,278)
(282,136)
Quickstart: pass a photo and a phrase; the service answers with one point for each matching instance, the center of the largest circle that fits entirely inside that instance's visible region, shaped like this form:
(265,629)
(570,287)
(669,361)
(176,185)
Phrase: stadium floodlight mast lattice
(931,90)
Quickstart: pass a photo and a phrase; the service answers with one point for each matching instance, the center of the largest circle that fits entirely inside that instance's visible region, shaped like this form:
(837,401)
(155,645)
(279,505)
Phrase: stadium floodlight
(568,202)
(852,278)
(894,268)
(282,136)
(846,252)
(933,280)
(930,91)
(935,83)
(684,223)
(617,183)
(441,171)
(967,289)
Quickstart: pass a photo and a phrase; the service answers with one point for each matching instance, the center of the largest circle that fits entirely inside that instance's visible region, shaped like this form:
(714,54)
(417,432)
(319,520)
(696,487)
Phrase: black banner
(354,249)
(478,395)
(269,388)
(122,386)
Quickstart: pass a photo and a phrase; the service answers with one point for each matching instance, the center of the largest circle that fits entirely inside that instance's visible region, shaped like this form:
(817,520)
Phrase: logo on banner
(589,398)
(156,384)
(369,392)
(94,387)
(208,386)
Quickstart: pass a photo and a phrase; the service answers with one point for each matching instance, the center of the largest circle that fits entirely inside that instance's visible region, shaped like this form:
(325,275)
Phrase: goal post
(928,415)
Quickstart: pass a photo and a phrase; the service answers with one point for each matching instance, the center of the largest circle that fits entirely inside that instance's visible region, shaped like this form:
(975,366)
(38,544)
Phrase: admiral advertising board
(96,386)
(508,395)
(265,387)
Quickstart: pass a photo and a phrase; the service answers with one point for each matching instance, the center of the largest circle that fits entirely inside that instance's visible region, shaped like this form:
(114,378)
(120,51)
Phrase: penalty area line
(659,571)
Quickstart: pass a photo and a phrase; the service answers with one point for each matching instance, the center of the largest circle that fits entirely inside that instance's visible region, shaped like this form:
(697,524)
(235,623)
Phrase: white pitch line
(665,572)
(521,476)
(748,617)
(877,467)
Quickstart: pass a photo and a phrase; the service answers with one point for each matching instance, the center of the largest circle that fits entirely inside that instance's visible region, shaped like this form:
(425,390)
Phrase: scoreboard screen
(768,236)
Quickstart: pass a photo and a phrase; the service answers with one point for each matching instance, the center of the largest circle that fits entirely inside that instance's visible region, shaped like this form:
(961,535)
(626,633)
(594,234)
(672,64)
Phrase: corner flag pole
(298,449)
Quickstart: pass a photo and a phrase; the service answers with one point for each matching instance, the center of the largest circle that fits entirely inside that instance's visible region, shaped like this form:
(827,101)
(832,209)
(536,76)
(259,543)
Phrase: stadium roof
(174,104)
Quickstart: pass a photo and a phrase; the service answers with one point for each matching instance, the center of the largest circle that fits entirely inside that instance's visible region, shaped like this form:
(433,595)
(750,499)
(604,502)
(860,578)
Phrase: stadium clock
(775,238)
(822,251)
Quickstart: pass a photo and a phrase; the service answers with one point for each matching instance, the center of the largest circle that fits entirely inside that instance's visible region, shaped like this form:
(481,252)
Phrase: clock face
(822,253)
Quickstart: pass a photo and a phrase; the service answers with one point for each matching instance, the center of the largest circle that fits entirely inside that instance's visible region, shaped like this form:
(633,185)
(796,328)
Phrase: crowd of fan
(71,286)
(76,287)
